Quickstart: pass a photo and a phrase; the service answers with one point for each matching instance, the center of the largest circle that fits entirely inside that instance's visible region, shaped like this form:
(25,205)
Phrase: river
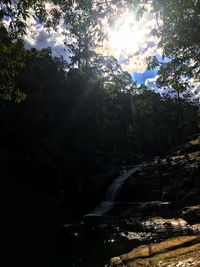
(104,233)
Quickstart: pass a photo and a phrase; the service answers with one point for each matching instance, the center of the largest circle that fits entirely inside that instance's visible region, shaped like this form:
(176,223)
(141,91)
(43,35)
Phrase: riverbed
(115,227)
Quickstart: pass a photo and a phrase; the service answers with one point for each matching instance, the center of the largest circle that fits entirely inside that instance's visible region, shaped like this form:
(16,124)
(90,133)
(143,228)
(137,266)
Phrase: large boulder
(183,251)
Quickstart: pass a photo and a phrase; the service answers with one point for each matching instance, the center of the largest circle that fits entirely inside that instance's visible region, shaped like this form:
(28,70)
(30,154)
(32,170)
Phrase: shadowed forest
(70,128)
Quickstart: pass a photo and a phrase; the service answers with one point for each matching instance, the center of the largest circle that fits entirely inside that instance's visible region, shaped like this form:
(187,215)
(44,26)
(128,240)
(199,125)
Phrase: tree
(11,46)
(179,35)
(179,39)
(81,35)
(12,61)
(17,13)
(157,122)
(177,28)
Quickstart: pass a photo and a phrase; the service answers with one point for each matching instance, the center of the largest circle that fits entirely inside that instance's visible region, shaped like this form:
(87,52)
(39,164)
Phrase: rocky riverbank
(154,219)
(173,178)
(175,181)
(175,252)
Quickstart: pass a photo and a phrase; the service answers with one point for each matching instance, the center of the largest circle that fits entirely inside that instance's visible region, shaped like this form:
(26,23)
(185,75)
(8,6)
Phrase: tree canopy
(177,27)
(73,125)
(178,30)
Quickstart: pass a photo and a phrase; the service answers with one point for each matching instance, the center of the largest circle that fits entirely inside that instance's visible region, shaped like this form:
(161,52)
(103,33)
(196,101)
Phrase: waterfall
(112,193)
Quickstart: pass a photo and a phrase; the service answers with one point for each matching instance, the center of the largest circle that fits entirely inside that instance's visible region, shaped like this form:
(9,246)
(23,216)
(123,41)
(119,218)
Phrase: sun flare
(130,41)
(124,37)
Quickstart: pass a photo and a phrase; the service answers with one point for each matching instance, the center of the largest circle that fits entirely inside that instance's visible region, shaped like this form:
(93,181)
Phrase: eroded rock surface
(174,219)
(173,178)
(182,251)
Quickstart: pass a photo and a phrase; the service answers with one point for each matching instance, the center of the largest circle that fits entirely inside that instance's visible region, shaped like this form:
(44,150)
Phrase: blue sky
(130,44)
(141,78)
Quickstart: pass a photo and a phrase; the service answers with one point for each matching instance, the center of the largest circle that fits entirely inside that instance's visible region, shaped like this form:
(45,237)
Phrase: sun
(125,37)
(130,41)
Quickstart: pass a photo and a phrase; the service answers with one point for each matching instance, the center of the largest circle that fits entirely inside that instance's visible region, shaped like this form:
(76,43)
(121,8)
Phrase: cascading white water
(112,193)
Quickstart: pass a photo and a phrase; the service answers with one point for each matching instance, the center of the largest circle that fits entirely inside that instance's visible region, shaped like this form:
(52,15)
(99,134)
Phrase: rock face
(165,196)
(174,178)
(141,188)
(191,213)
(183,251)
(181,174)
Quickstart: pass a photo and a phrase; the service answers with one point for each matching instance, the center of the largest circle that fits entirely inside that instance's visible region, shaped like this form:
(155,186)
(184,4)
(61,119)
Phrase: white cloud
(195,89)
(131,43)
(192,93)
(151,84)
(38,37)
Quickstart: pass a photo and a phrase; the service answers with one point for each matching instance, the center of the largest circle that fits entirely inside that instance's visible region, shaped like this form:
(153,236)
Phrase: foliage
(157,122)
(81,119)
(81,122)
(17,13)
(11,64)
(178,31)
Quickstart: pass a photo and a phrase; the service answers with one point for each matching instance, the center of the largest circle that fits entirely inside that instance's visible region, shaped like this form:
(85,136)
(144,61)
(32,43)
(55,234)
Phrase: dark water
(106,232)
(96,238)
(94,241)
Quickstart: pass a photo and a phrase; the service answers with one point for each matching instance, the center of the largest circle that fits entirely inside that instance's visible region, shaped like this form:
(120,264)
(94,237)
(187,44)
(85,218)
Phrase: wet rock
(192,145)
(191,213)
(141,188)
(196,228)
(142,209)
(175,181)
(164,223)
(180,252)
(137,235)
